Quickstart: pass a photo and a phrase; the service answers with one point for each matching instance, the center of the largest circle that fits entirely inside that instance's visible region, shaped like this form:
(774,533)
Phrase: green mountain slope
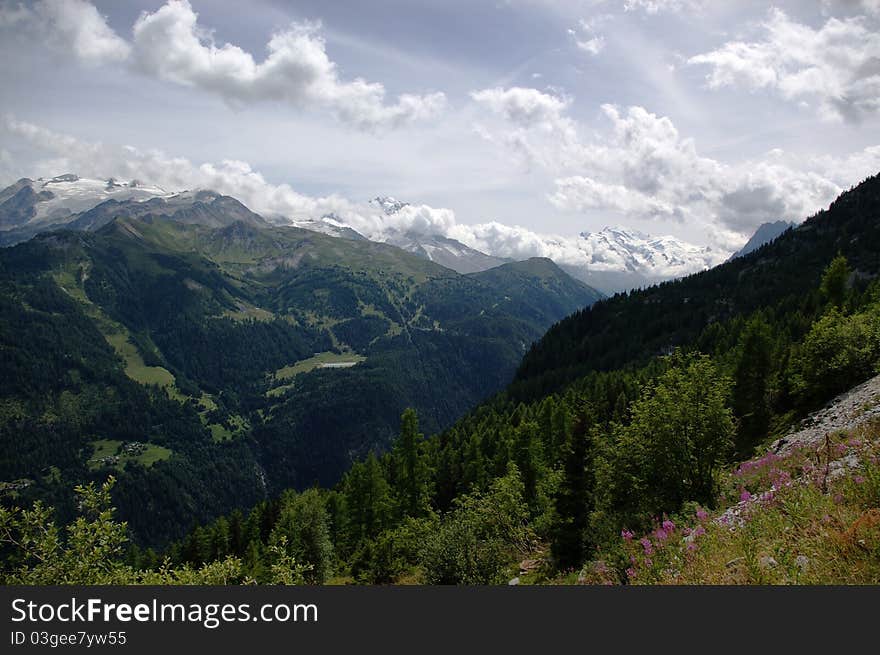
(210,366)
(643,323)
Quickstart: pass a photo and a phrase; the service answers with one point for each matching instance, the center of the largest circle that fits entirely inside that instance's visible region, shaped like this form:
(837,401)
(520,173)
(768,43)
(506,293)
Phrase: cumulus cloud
(524,106)
(542,133)
(169,44)
(836,65)
(641,167)
(73,26)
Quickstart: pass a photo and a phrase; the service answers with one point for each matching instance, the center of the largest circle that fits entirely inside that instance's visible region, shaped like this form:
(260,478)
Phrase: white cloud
(837,64)
(238,179)
(642,168)
(594,45)
(581,193)
(169,44)
(587,36)
(658,6)
(70,26)
(524,106)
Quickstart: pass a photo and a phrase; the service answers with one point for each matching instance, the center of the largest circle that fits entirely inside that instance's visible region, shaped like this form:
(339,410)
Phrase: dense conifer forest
(622,419)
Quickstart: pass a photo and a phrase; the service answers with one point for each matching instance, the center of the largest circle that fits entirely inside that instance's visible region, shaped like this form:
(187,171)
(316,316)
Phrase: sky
(511,125)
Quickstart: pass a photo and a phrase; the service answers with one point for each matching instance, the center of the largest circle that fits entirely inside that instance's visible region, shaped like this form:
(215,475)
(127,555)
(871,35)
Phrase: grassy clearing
(109,453)
(235,427)
(134,363)
(246,312)
(320,360)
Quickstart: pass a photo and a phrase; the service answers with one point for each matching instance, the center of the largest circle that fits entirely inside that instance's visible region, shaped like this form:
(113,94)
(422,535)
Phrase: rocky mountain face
(766,233)
(29,207)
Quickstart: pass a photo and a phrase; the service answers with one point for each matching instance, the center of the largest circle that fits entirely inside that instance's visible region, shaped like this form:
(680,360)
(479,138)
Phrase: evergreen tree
(410,468)
(367,500)
(751,390)
(574,498)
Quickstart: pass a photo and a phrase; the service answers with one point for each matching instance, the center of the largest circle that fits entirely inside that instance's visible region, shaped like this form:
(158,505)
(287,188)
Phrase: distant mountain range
(618,258)
(610,260)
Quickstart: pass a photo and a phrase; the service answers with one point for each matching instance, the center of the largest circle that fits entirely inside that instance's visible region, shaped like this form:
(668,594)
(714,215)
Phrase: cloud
(238,179)
(169,44)
(542,134)
(587,37)
(69,26)
(867,6)
(658,6)
(837,65)
(524,106)
(580,193)
(641,168)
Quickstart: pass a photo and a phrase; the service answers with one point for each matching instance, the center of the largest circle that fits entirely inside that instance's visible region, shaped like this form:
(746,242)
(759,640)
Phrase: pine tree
(573,499)
(751,391)
(410,468)
(367,499)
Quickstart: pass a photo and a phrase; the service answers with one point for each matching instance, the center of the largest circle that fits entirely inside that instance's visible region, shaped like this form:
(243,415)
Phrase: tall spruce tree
(574,498)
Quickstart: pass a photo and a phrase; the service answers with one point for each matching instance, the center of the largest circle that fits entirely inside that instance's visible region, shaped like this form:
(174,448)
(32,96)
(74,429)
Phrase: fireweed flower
(647,545)
(630,573)
(668,526)
(744,496)
(626,535)
(702,514)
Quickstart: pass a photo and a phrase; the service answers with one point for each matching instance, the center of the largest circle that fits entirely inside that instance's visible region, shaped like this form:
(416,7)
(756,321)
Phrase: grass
(110,447)
(134,363)
(807,518)
(245,312)
(238,425)
(320,360)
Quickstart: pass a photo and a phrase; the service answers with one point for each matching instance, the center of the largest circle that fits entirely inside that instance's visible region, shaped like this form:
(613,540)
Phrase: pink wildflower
(744,496)
(626,535)
(647,545)
(702,514)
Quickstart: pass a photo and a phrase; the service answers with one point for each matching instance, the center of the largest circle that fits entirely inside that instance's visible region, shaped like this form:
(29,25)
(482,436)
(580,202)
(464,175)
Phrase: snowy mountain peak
(622,249)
